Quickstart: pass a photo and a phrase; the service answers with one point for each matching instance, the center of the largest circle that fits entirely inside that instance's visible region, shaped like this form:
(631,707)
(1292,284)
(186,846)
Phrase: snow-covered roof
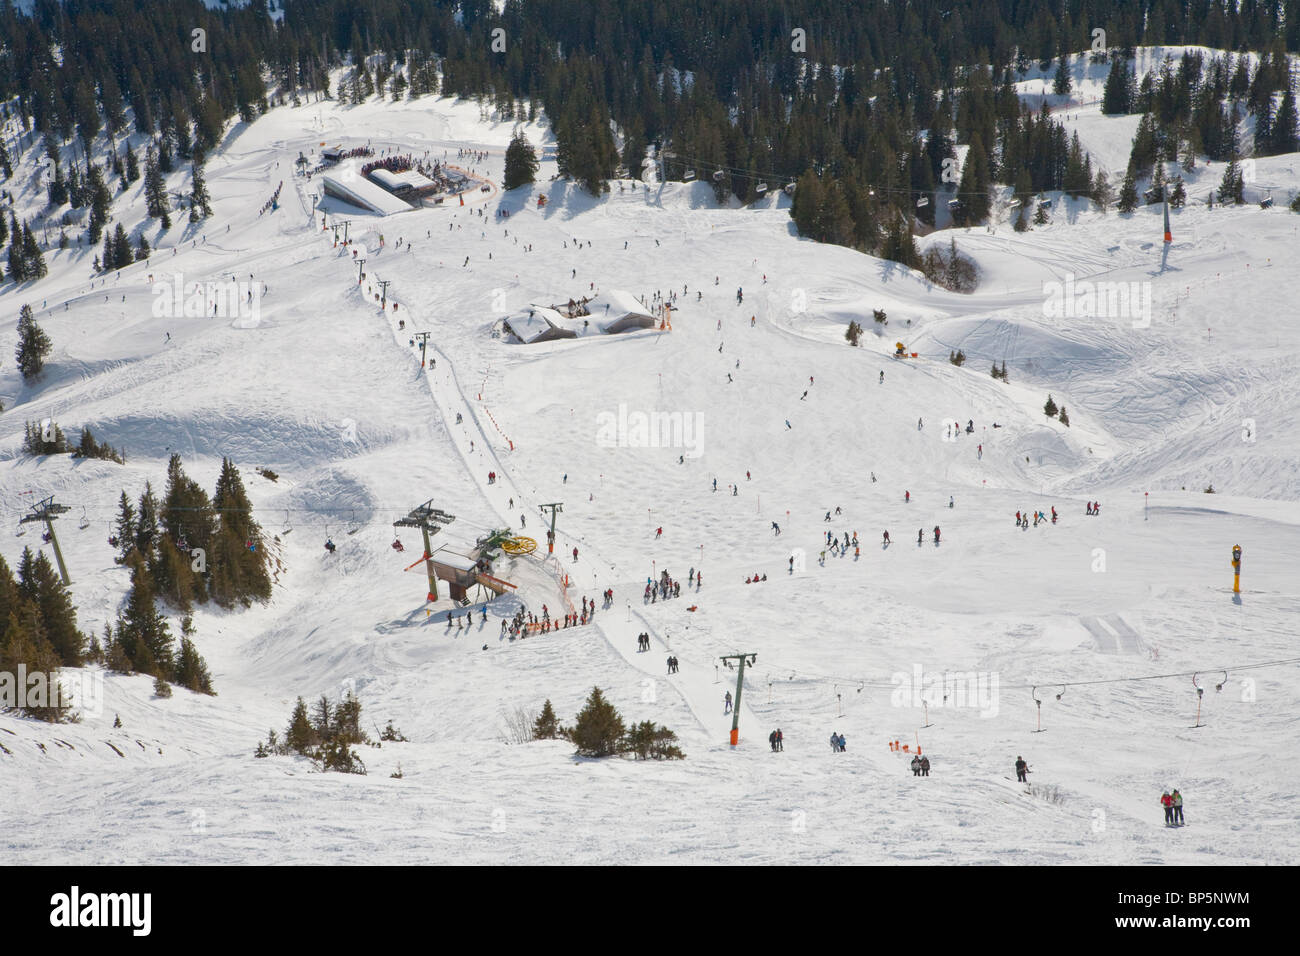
(620,304)
(454,559)
(394,181)
(362,193)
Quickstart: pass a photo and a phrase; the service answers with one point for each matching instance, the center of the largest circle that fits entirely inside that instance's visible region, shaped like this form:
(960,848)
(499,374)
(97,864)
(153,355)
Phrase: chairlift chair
(85,522)
(788,189)
(760,189)
(923,202)
(1266,202)
(953,204)
(688,175)
(717,175)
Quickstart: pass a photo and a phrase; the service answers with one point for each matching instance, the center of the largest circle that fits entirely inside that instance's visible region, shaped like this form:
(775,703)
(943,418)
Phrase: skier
(776,528)
(715,484)
(920,536)
(1022,768)
(780,740)
(726,708)
(950,503)
(771,739)
(1177,799)
(1017,519)
(1167,802)
(886,539)
(916,766)
(907,497)
(936,534)
(925,766)
(1053,514)
(659,532)
(882,376)
(919,424)
(835,742)
(575,554)
(1088,511)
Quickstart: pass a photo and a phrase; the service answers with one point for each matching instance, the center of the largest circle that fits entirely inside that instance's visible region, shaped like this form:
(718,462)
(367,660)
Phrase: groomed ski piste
(325,390)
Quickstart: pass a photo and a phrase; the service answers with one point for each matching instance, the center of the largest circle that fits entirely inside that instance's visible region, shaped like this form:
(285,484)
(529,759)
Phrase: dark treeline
(869,96)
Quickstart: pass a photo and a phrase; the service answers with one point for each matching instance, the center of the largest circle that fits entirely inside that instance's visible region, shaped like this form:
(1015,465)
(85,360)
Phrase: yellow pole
(1236,569)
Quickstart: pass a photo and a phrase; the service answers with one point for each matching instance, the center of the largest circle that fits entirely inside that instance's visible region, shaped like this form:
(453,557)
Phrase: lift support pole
(48,511)
(430,521)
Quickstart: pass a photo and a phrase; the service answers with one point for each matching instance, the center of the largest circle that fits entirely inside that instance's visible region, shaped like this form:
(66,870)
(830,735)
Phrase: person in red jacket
(575,554)
(1167,802)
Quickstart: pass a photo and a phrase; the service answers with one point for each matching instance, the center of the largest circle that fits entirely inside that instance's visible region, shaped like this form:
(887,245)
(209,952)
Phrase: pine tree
(1285,127)
(521,163)
(1050,408)
(23,645)
(124,530)
(1232,187)
(191,671)
(1178,195)
(1065,419)
(142,631)
(147,533)
(1118,94)
(1128,197)
(132,165)
(40,584)
(598,730)
(238,563)
(200,201)
(299,737)
(33,345)
(100,201)
(155,190)
(1061,84)
(546,727)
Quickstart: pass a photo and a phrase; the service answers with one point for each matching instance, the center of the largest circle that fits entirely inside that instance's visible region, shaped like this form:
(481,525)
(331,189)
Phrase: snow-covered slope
(326,391)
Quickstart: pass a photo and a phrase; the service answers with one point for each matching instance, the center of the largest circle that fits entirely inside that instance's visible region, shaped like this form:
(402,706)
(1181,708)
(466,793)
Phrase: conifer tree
(142,631)
(23,646)
(238,563)
(124,530)
(1049,409)
(1128,197)
(191,671)
(598,730)
(155,190)
(521,163)
(299,737)
(147,531)
(33,345)
(546,727)
(41,585)
(200,201)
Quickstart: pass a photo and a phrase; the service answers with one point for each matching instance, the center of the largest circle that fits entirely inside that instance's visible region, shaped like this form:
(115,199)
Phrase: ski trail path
(481,455)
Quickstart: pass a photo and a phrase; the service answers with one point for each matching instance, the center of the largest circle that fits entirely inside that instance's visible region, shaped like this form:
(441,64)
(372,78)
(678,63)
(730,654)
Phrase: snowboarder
(1022,768)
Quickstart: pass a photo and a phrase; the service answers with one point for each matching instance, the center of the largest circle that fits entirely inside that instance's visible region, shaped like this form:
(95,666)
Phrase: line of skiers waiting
(667,587)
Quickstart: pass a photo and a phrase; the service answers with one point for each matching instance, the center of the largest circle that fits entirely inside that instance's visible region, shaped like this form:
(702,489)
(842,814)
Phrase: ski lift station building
(357,191)
(406,184)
